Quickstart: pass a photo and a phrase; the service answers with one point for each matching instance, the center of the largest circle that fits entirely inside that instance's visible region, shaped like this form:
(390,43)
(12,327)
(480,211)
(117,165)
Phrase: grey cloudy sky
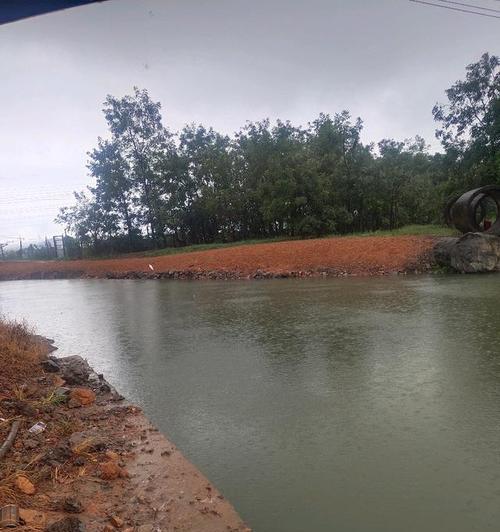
(218,62)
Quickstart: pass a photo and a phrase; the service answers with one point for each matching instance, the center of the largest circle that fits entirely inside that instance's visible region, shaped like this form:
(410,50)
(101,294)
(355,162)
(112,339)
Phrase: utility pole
(21,247)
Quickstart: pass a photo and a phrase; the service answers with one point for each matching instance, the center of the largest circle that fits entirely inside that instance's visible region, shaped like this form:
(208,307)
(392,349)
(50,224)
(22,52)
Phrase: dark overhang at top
(12,10)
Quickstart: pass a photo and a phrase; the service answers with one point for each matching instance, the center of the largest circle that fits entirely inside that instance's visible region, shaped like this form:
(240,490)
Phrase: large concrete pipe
(463,212)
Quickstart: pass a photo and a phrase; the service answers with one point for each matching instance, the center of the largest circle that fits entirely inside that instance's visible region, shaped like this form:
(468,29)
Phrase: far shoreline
(360,256)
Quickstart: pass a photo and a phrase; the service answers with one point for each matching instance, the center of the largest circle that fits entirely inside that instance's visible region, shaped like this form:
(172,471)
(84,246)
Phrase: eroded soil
(300,258)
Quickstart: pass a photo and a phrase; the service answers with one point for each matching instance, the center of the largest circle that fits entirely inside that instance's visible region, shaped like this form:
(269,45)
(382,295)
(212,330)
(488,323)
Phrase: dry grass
(33,470)
(20,354)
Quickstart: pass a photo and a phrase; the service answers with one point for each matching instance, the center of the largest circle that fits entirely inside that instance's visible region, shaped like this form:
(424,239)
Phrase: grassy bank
(20,355)
(408,230)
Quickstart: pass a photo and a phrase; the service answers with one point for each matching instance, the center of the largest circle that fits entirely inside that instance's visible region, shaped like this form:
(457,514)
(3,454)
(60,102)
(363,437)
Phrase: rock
(117,521)
(110,470)
(50,366)
(94,379)
(32,518)
(71,505)
(68,524)
(471,253)
(62,391)
(60,453)
(25,485)
(74,370)
(144,528)
(81,397)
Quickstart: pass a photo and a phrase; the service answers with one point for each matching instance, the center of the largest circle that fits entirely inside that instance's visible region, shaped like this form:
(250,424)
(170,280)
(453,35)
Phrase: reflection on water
(349,405)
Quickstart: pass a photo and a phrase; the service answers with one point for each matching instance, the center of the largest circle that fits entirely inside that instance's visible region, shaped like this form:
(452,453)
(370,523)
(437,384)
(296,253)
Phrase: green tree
(143,142)
(403,171)
(470,122)
(88,221)
(114,186)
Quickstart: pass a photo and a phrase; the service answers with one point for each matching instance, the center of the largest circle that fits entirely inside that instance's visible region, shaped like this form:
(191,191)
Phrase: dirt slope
(328,256)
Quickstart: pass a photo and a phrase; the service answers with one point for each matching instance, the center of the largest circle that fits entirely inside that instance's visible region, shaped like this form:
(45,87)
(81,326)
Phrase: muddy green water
(323,405)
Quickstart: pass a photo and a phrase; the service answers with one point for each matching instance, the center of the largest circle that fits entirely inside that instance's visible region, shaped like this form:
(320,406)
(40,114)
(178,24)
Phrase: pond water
(349,405)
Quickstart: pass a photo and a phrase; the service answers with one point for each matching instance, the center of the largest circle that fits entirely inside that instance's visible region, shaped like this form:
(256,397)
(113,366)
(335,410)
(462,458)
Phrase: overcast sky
(218,62)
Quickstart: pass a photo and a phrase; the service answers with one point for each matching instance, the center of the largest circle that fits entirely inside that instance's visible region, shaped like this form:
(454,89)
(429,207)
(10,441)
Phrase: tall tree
(470,122)
(137,131)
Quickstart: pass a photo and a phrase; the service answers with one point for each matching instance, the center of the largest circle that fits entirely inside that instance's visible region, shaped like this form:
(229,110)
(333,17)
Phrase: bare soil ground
(329,256)
(99,464)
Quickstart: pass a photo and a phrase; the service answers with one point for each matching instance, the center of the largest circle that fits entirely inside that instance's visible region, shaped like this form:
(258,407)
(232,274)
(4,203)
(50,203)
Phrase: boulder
(75,370)
(471,253)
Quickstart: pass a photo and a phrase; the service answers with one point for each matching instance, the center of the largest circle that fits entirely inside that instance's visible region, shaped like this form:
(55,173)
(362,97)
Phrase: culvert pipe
(463,212)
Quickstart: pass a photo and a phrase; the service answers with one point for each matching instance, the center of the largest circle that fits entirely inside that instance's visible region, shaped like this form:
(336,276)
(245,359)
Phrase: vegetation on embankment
(20,355)
(354,255)
(153,188)
(96,461)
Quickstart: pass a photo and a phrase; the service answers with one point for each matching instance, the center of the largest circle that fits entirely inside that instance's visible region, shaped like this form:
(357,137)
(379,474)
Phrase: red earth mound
(328,256)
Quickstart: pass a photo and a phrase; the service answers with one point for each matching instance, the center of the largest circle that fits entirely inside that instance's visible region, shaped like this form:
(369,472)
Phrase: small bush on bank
(20,353)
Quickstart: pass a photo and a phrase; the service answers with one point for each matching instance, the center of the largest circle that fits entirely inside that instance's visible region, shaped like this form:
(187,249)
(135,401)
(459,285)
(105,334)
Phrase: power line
(471,5)
(455,9)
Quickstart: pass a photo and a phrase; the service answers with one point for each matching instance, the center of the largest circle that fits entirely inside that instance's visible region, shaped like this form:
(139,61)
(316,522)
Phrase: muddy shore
(98,464)
(326,257)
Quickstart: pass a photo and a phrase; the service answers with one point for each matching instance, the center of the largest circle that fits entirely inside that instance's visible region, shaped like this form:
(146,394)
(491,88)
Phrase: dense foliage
(154,188)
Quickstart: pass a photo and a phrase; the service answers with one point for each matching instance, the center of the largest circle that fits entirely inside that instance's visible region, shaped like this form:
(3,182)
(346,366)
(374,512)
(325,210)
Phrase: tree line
(156,188)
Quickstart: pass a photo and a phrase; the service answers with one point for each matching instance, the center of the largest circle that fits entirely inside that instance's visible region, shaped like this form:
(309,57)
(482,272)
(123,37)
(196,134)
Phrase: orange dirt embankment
(300,258)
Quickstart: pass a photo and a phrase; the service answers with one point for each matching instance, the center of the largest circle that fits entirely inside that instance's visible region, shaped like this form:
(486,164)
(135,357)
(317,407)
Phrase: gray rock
(50,366)
(442,251)
(75,370)
(471,253)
